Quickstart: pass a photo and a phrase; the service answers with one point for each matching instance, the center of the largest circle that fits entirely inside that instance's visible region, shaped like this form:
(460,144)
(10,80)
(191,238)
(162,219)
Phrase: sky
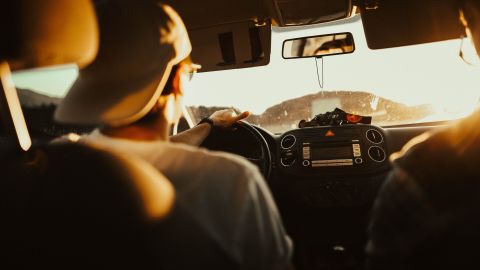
(429,73)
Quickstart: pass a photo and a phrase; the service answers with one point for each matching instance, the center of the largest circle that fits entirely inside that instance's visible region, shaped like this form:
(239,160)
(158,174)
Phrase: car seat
(68,205)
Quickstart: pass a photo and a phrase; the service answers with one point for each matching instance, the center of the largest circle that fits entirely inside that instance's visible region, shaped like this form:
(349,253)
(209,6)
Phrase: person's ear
(177,83)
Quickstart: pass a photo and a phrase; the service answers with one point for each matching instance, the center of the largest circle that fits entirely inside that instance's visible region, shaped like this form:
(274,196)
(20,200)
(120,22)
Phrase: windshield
(414,84)
(405,85)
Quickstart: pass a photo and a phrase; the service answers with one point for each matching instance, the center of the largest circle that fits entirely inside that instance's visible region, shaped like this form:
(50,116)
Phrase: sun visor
(231,46)
(395,23)
(227,34)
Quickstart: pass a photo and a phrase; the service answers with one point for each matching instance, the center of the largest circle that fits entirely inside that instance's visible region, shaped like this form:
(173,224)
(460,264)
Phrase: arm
(196,135)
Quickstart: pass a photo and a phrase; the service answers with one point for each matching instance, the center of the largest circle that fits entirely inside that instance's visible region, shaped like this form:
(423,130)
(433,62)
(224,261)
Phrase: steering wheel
(233,141)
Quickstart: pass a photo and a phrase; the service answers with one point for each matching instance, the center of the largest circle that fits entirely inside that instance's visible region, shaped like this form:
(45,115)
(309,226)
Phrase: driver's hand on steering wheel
(226,118)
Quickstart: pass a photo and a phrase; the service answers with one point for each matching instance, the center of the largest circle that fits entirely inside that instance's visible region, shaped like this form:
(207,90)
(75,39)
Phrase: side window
(40,91)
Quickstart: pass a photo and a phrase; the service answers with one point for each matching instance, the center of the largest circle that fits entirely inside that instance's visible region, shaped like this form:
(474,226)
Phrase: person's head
(144,52)
(169,105)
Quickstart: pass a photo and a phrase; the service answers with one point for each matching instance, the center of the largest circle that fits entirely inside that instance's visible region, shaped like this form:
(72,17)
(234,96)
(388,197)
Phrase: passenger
(427,214)
(133,91)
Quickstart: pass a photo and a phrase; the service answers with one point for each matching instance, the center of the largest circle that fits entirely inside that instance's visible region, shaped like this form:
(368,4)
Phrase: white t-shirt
(224,196)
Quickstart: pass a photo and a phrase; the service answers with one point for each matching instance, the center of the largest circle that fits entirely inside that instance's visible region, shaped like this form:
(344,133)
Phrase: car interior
(324,168)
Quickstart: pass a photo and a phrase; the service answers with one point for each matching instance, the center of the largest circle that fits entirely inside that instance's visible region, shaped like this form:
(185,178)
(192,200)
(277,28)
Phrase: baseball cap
(140,42)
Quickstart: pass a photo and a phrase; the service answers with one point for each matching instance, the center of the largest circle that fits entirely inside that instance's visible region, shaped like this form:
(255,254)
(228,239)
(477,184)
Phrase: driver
(133,92)
(427,214)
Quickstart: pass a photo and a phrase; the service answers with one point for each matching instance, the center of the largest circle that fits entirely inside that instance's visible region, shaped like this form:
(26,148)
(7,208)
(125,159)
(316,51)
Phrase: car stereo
(331,155)
(350,147)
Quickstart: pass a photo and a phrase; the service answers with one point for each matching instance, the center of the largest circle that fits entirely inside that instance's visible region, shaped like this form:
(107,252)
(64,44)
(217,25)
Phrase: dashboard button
(358,160)
(306,163)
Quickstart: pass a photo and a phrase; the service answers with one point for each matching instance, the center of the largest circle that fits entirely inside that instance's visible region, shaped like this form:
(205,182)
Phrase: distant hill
(287,114)
(29,98)
(277,119)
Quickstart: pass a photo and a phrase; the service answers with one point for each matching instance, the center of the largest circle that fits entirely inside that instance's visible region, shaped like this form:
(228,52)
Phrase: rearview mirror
(318,46)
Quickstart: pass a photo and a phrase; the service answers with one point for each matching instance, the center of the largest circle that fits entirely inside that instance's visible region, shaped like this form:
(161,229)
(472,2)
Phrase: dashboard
(325,167)
(324,181)
(320,167)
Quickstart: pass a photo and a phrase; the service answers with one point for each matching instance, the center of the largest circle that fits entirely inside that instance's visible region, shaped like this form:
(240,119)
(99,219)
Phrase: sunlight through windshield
(405,85)
(412,84)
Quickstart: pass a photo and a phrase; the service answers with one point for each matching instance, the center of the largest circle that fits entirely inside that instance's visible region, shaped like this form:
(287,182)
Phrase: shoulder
(444,148)
(442,163)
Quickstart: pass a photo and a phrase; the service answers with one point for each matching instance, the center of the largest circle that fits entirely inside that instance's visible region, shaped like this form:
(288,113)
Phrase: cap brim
(112,101)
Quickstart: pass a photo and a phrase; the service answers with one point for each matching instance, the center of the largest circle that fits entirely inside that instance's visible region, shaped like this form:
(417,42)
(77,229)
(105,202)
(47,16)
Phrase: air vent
(287,162)
(377,154)
(288,141)
(374,136)
(288,158)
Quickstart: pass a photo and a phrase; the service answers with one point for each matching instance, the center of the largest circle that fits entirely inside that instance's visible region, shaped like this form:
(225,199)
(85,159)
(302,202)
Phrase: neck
(155,130)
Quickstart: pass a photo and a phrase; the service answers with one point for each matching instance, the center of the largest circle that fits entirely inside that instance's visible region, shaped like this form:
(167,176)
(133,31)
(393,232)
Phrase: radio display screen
(337,152)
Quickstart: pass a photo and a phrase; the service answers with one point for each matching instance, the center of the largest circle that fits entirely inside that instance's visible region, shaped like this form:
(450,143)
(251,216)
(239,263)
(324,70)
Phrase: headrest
(47,32)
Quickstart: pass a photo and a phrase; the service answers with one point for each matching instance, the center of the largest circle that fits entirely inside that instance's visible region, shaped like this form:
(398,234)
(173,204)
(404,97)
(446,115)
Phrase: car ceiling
(283,12)
(387,24)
